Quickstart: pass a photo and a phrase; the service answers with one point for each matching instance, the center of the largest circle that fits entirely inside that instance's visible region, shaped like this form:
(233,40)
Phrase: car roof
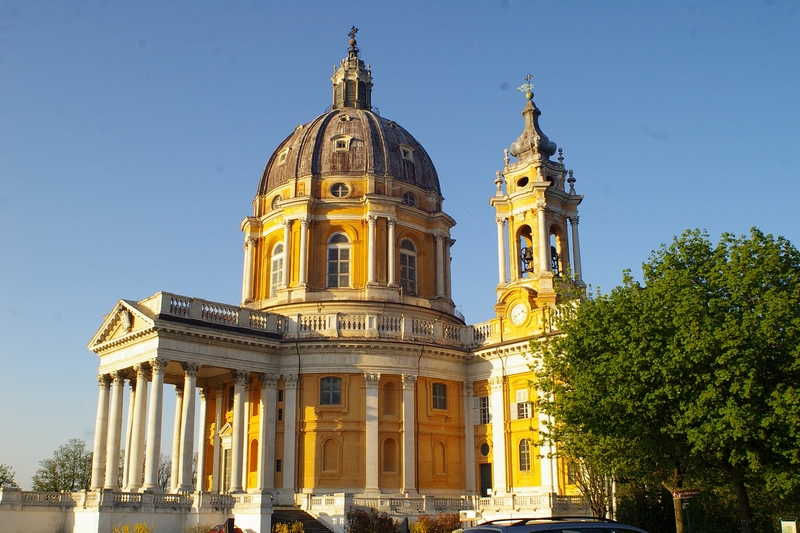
(521,525)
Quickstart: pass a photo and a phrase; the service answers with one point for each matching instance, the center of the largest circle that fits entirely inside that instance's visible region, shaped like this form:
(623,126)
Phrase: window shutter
(514,411)
(476,411)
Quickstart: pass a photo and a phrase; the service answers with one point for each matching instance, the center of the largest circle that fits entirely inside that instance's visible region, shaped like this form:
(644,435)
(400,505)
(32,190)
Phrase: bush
(372,521)
(287,527)
(198,528)
(441,523)
(137,528)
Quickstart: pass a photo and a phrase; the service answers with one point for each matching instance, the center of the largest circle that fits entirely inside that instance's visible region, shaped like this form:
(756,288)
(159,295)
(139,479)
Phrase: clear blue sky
(133,135)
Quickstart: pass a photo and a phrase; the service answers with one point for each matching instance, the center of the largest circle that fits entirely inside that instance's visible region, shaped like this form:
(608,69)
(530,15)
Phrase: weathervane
(354,30)
(527,87)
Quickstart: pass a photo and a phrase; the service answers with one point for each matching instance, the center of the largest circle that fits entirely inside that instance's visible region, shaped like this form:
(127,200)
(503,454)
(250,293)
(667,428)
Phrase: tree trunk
(742,499)
(677,503)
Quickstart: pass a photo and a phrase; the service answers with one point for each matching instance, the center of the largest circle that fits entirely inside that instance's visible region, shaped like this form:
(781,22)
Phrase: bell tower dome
(534,202)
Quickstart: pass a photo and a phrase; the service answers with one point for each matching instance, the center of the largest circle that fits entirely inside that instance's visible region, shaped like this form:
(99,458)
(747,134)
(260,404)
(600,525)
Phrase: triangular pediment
(126,319)
(226,430)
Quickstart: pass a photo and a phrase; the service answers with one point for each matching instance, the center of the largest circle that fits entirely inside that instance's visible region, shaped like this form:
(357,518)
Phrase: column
(100,433)
(391,246)
(126,459)
(114,431)
(187,426)
(289,429)
(447,260)
(287,252)
(153,448)
(247,277)
(248,388)
(409,447)
(501,251)
(576,248)
(439,264)
(371,248)
(136,458)
(202,442)
(303,250)
(239,380)
(498,435)
(544,242)
(371,460)
(469,440)
(176,441)
(266,432)
(216,475)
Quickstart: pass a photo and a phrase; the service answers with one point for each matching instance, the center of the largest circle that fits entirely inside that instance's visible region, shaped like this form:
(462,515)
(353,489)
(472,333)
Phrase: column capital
(118,377)
(468,391)
(287,223)
(250,241)
(500,220)
(496,383)
(573,219)
(104,380)
(179,391)
(291,380)
(371,379)
(158,364)
(142,370)
(240,378)
(371,219)
(540,206)
(409,381)
(219,388)
(391,220)
(439,236)
(204,392)
(268,380)
(304,221)
(190,369)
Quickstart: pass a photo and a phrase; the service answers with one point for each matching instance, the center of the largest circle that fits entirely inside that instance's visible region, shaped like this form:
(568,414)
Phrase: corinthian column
(114,431)
(287,252)
(100,433)
(187,426)
(266,432)
(202,442)
(469,440)
(392,261)
(544,242)
(498,434)
(409,449)
(371,219)
(303,252)
(239,380)
(153,447)
(440,264)
(247,277)
(289,428)
(136,458)
(576,247)
(371,459)
(501,251)
(175,467)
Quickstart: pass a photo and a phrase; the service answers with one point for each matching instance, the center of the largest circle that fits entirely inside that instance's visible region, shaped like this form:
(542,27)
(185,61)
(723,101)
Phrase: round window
(523,181)
(409,199)
(275,201)
(484,449)
(339,190)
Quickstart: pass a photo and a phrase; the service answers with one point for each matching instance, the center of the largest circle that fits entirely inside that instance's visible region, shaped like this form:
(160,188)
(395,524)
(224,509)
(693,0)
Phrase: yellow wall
(440,461)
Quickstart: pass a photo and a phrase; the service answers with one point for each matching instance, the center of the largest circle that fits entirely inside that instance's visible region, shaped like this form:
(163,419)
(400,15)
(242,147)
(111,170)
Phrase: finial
(498,181)
(571,181)
(506,155)
(561,156)
(527,87)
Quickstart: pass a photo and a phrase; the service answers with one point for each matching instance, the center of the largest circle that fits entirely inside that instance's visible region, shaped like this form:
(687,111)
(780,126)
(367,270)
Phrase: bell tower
(536,209)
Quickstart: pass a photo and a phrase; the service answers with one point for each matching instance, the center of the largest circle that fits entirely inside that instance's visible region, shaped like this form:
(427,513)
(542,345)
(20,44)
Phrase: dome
(350,142)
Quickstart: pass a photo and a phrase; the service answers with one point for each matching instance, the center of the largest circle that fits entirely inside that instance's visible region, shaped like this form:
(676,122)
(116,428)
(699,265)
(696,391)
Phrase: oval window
(409,199)
(484,449)
(339,190)
(523,181)
(275,201)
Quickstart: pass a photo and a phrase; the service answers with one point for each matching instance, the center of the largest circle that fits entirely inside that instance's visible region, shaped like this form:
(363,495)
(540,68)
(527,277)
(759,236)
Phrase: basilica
(345,376)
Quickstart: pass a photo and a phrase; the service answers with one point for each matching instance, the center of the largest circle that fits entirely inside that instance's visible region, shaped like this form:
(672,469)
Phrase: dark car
(227,527)
(557,524)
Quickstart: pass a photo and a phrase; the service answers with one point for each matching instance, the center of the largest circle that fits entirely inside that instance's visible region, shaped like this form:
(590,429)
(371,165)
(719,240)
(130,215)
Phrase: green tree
(69,469)
(7,476)
(695,368)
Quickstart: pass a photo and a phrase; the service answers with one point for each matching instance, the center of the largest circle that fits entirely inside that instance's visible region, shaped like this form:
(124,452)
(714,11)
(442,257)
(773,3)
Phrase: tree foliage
(69,469)
(7,476)
(369,521)
(695,368)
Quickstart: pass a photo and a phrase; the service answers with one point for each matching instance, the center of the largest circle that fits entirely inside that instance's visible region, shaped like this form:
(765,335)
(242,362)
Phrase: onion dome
(350,139)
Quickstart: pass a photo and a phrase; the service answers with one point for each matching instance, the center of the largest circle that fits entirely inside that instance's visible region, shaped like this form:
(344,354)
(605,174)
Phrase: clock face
(519,313)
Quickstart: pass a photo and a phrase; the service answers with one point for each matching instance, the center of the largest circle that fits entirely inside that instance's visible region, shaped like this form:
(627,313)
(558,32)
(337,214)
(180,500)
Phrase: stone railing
(330,325)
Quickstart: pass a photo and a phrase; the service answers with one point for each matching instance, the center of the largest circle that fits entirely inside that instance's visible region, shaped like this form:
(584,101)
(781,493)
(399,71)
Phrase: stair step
(310,524)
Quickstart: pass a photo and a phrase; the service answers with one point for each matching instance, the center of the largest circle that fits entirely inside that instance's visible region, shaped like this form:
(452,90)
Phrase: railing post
(196,309)
(163,304)
(244,317)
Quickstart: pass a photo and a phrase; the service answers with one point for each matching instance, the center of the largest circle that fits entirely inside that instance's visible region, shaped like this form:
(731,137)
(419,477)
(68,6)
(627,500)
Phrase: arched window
(526,258)
(276,275)
(408,267)
(524,455)
(390,456)
(330,391)
(338,261)
(554,255)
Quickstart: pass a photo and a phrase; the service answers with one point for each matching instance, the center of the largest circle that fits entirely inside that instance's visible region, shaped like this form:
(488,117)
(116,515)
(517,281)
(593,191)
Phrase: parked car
(227,527)
(556,524)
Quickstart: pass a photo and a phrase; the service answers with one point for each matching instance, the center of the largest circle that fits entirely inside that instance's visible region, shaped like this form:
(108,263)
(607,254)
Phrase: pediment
(226,430)
(126,319)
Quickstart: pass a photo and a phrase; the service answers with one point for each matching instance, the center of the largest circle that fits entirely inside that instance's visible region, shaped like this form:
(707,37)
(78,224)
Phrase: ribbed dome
(350,142)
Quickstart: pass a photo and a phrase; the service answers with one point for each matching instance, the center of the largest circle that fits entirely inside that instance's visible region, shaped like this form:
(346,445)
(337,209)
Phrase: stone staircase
(295,514)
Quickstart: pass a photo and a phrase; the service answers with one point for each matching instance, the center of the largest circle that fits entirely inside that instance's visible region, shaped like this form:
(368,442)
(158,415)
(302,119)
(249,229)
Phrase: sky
(133,136)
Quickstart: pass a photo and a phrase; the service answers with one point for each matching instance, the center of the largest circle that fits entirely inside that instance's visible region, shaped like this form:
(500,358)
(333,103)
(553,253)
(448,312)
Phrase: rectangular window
(280,396)
(280,415)
(439,396)
(524,456)
(523,407)
(277,465)
(485,418)
(330,391)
